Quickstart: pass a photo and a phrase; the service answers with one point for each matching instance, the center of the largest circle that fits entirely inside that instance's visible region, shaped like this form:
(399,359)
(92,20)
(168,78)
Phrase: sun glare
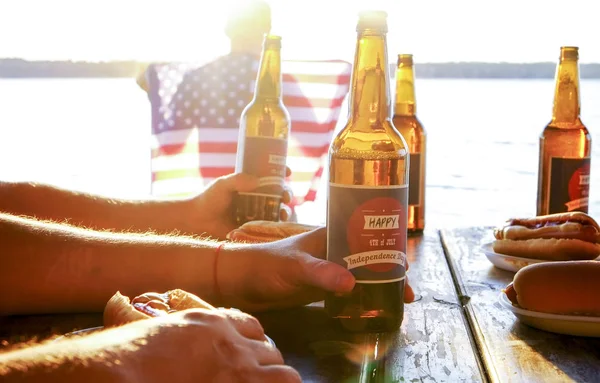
(434,31)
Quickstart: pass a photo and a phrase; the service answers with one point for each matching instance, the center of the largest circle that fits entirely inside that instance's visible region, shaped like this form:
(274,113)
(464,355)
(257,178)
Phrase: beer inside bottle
(368,192)
(565,145)
(406,122)
(262,146)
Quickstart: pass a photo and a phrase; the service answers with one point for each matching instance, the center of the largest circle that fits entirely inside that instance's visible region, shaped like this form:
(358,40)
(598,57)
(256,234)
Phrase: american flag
(195,120)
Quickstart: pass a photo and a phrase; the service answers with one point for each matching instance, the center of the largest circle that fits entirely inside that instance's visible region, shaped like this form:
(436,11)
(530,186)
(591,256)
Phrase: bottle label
(414,180)
(265,158)
(366,231)
(569,184)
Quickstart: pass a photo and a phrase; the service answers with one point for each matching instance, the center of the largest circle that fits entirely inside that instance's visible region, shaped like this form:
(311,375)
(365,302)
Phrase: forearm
(51,268)
(46,202)
(87,359)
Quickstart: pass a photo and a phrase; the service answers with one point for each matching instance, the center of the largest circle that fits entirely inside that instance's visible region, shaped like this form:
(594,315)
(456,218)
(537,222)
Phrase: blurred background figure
(196,110)
(247,22)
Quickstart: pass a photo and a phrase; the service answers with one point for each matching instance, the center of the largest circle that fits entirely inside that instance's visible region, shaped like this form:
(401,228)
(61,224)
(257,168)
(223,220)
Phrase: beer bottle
(262,146)
(565,145)
(406,121)
(368,192)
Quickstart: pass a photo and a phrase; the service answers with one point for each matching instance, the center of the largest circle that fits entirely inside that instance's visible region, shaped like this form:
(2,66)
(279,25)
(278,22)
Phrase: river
(94,135)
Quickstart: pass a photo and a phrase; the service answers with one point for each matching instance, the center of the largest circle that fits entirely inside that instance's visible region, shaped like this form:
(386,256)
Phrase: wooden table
(456,331)
(511,351)
(433,344)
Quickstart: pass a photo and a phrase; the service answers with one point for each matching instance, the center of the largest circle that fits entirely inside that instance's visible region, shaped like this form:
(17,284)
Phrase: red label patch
(376,225)
(579,184)
(569,184)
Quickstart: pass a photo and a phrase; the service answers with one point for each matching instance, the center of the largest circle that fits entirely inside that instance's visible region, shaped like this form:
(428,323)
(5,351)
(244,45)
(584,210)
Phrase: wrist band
(216,289)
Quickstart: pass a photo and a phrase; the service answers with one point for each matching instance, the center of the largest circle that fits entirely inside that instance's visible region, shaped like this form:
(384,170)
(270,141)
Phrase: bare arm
(209,214)
(47,202)
(187,346)
(142,80)
(49,267)
(90,359)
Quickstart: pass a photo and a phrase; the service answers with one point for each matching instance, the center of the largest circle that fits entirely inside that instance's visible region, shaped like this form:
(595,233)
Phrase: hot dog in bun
(267,231)
(554,237)
(120,310)
(568,288)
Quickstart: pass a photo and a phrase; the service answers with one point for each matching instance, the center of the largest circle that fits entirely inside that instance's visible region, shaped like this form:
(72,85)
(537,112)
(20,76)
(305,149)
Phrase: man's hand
(188,346)
(209,346)
(213,209)
(286,273)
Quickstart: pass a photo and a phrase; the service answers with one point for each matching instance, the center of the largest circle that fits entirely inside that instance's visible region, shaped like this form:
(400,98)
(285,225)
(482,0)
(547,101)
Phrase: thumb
(326,275)
(238,182)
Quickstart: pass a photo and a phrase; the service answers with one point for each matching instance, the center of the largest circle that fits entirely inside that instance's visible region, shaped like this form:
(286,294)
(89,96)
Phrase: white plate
(507,262)
(561,324)
(94,329)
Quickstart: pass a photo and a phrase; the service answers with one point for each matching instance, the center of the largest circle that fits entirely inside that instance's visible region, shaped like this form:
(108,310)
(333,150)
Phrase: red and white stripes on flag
(195,120)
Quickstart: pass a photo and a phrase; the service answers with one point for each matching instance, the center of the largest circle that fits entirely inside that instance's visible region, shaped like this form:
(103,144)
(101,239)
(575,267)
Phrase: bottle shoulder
(260,104)
(262,108)
(268,119)
(381,140)
(576,127)
(408,122)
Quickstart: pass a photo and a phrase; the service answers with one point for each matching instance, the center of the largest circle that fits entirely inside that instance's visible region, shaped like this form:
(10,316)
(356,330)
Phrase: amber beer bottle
(262,146)
(406,121)
(565,145)
(368,192)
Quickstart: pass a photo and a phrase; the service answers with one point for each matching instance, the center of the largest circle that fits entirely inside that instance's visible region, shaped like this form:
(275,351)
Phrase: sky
(432,30)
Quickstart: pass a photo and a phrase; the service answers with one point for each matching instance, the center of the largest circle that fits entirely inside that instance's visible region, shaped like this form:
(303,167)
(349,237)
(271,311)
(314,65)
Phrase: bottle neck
(370,96)
(405,104)
(566,95)
(268,80)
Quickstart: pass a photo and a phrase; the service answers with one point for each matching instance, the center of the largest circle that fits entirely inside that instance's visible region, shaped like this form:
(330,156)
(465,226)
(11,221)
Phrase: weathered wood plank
(512,351)
(433,344)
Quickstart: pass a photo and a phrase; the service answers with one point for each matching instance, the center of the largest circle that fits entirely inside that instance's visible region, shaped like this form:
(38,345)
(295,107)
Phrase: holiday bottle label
(367,230)
(569,184)
(265,158)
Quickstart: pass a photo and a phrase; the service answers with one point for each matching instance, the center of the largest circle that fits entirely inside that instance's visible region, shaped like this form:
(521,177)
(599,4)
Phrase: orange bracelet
(216,289)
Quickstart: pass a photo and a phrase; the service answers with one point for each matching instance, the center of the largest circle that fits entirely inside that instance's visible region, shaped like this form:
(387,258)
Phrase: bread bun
(267,231)
(120,310)
(568,288)
(553,237)
(182,300)
(548,249)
